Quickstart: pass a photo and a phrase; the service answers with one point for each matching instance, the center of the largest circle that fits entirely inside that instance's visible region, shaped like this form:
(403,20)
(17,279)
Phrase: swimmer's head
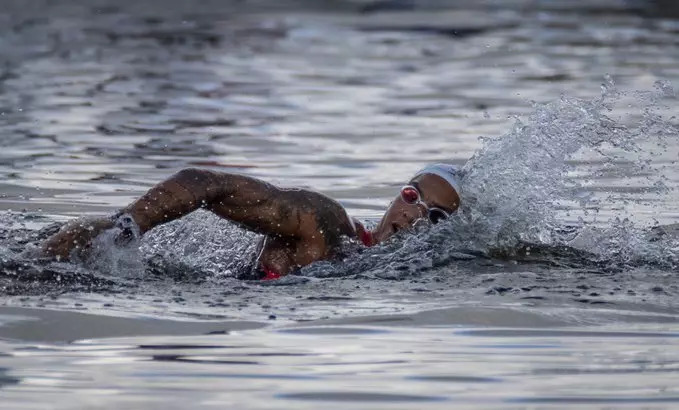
(431,195)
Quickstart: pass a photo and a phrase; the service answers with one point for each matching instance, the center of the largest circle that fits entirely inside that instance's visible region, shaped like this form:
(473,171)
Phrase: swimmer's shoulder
(330,216)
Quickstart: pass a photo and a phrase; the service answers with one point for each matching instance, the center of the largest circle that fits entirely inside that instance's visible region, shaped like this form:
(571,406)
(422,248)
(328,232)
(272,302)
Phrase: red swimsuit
(269,274)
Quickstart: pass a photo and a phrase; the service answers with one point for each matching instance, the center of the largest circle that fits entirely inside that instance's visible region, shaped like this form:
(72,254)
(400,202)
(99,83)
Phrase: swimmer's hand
(75,238)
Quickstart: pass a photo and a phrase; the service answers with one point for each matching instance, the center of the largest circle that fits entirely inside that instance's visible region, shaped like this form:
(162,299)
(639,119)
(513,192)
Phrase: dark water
(551,288)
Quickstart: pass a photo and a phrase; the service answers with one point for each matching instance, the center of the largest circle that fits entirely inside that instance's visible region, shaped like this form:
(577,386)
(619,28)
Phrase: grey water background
(550,288)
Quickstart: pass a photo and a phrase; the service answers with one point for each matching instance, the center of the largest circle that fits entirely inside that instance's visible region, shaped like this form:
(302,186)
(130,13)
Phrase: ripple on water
(456,379)
(566,333)
(360,397)
(595,400)
(330,330)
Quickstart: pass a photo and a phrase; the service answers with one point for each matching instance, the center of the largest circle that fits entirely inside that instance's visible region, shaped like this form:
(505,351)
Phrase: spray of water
(516,182)
(200,245)
(515,185)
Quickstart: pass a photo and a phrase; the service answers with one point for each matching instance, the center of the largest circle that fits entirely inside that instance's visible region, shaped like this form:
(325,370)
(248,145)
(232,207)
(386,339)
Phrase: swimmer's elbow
(195,175)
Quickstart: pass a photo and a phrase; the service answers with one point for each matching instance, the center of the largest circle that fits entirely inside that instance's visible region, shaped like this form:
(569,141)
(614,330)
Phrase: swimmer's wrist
(128,228)
(123,219)
(120,214)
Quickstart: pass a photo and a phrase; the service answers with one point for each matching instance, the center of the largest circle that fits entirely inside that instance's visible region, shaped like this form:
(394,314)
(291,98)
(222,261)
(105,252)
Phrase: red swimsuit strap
(363,234)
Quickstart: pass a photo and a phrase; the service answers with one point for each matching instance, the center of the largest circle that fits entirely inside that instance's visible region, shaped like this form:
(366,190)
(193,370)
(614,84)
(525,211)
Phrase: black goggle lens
(435,215)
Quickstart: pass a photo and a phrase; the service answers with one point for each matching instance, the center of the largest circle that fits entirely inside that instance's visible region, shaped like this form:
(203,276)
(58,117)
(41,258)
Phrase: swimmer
(299,226)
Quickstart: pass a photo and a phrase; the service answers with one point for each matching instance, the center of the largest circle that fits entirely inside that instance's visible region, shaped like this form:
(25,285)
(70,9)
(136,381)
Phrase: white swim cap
(448,172)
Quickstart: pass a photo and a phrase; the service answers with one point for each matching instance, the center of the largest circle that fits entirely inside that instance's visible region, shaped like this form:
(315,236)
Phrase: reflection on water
(367,366)
(6,380)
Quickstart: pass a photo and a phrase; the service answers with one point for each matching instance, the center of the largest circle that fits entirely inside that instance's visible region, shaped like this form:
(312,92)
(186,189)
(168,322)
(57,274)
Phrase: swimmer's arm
(254,204)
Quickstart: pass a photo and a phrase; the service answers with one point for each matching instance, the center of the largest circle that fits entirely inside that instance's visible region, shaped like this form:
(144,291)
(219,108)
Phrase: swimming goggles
(412,196)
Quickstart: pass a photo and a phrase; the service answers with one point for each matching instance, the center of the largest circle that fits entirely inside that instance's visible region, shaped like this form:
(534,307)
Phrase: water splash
(200,245)
(111,255)
(514,187)
(516,182)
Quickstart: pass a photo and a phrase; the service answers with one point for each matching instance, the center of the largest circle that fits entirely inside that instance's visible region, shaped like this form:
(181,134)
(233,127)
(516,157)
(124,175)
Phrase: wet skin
(300,226)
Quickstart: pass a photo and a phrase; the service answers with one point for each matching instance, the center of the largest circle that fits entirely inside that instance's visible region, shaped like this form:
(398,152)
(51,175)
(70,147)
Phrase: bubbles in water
(200,244)
(116,251)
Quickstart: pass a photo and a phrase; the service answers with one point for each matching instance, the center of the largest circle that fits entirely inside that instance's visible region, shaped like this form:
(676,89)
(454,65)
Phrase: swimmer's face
(434,192)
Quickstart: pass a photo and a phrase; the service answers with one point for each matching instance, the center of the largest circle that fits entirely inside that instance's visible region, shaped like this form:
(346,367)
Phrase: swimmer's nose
(413,213)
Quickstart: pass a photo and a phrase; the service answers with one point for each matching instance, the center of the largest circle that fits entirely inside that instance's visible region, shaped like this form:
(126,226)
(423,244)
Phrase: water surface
(550,289)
